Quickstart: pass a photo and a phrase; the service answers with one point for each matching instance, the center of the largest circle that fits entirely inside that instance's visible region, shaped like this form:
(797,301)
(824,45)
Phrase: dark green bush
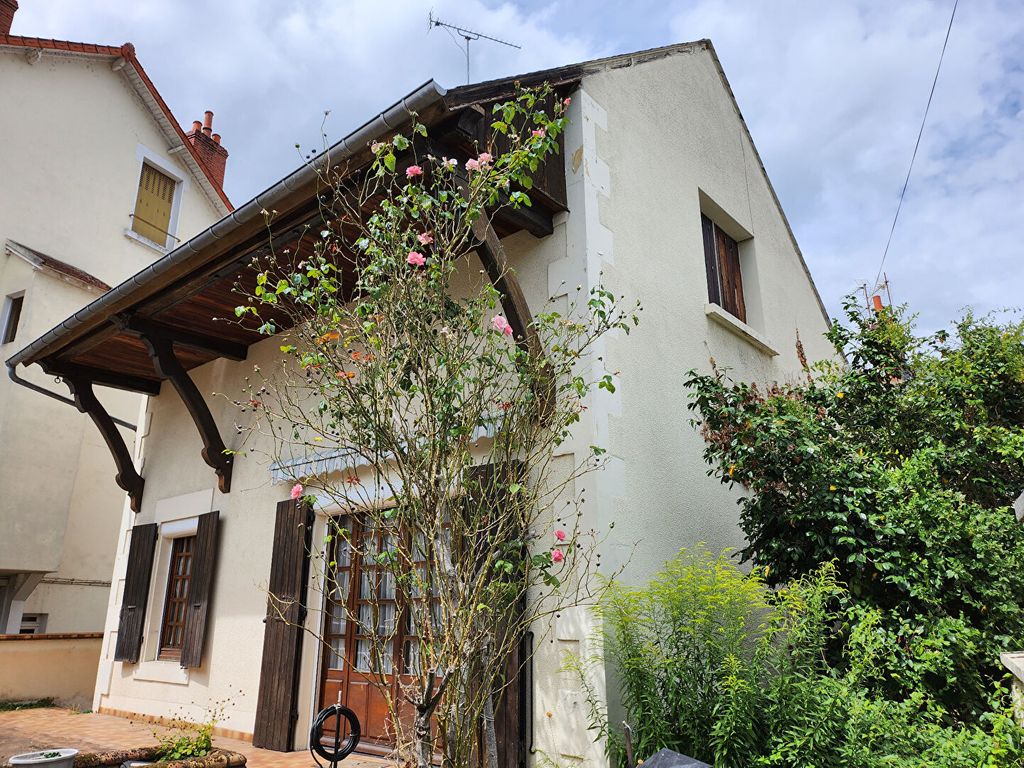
(715,664)
(900,466)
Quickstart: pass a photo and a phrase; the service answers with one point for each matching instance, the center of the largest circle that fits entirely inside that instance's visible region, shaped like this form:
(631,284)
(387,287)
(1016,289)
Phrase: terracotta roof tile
(56,265)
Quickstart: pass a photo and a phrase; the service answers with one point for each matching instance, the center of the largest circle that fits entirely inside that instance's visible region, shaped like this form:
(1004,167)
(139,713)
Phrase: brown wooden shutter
(136,593)
(731,278)
(711,260)
(511,715)
(277,704)
(204,560)
(513,712)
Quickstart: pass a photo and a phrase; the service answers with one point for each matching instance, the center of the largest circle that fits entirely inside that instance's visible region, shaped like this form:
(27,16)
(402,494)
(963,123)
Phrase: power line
(917,144)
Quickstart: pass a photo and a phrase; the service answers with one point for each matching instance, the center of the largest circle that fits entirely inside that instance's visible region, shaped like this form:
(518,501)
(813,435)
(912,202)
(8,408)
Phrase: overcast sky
(833,92)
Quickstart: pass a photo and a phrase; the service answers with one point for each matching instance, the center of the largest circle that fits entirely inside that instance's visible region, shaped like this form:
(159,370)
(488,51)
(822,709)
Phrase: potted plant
(51,758)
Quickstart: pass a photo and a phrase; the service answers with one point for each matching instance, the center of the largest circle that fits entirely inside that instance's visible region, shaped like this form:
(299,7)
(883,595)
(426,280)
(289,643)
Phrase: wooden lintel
(127,478)
(99,376)
(168,366)
(535,220)
(185,338)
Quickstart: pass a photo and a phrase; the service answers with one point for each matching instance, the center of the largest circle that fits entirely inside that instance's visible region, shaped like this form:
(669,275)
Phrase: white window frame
(5,316)
(146,156)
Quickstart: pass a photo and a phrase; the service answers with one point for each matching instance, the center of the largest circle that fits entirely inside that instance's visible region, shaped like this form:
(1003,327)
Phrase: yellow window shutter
(152,217)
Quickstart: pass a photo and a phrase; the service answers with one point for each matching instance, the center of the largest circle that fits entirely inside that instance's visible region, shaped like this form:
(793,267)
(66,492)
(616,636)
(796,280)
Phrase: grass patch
(14,706)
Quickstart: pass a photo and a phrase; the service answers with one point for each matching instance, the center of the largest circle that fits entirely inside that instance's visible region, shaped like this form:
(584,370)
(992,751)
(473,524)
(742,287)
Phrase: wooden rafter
(103,378)
(128,479)
(232,350)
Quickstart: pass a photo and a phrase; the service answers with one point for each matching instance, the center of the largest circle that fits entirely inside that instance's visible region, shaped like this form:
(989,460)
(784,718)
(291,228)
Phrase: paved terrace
(28,730)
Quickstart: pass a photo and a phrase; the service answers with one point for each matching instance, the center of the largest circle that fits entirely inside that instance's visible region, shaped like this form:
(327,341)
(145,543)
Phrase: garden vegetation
(888,565)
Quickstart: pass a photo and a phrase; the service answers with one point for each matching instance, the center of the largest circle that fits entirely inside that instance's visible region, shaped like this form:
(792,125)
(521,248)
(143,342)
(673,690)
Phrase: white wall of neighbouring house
(72,144)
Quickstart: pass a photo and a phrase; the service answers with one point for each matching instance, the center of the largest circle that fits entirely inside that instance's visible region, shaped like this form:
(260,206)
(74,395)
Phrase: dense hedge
(899,464)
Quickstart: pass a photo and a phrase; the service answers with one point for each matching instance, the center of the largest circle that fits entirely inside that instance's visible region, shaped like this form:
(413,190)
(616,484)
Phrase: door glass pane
(336,659)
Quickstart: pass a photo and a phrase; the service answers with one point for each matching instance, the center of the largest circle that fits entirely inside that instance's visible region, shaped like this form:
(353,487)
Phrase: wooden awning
(178,313)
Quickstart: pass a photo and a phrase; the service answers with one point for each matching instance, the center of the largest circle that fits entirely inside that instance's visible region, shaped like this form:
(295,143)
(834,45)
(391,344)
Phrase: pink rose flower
(451,163)
(297,490)
(560,534)
(557,556)
(540,133)
(413,171)
(472,165)
(500,324)
(567,101)
(416,259)
(485,158)
(425,238)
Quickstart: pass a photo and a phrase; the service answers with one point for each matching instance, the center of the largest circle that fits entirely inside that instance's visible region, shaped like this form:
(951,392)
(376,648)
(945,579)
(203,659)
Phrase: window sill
(131,234)
(161,672)
(741,329)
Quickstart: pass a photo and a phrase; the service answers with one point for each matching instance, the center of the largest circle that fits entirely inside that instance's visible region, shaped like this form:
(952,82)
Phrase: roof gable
(123,59)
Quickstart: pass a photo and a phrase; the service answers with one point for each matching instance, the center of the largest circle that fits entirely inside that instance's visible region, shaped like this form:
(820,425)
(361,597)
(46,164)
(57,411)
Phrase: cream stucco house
(658,187)
(97,180)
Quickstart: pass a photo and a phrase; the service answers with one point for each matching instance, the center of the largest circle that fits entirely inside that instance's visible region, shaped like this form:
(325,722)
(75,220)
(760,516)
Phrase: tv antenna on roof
(468,35)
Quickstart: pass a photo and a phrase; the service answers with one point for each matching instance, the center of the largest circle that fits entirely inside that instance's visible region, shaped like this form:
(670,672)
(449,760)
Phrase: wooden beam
(167,365)
(185,338)
(127,478)
(102,377)
(534,219)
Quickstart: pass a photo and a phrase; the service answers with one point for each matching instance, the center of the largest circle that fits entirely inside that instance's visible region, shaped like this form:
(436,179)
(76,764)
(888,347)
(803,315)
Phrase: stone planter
(1015,663)
(47,758)
(218,758)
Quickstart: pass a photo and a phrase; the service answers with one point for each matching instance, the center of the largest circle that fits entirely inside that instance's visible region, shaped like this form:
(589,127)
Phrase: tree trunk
(424,744)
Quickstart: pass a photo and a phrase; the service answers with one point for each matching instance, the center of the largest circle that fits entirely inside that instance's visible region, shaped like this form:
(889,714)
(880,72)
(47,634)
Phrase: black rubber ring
(348,746)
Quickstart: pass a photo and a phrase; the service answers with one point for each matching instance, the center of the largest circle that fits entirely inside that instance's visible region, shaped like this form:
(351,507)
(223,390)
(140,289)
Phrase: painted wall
(650,147)
(62,668)
(70,158)
(642,144)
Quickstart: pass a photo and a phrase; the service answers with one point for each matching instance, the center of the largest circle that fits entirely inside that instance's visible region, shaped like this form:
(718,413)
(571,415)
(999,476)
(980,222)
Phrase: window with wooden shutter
(722,265)
(204,560)
(152,217)
(179,578)
(136,593)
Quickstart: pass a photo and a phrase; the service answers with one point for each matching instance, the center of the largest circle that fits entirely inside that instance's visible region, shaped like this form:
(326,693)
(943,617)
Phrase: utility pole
(466,34)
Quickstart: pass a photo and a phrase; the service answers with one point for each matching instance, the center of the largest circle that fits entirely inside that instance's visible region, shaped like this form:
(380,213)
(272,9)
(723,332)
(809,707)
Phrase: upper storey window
(725,278)
(153,206)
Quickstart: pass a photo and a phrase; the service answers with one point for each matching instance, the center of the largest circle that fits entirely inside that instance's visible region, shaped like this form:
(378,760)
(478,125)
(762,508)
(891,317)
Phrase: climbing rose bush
(401,355)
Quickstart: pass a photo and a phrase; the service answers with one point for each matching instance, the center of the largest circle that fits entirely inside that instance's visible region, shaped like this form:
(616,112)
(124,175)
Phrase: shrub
(900,466)
(715,664)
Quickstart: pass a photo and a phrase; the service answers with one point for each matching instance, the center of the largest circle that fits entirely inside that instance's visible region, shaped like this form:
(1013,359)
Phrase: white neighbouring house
(97,180)
(658,189)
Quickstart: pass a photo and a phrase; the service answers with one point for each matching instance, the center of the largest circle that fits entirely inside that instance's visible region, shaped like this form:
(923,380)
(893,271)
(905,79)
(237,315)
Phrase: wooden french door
(363,598)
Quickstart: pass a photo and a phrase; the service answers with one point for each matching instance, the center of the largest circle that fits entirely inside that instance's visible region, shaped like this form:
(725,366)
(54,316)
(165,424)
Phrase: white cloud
(833,92)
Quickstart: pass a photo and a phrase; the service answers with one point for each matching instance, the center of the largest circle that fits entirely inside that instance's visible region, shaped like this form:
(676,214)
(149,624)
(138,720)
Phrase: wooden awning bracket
(128,479)
(517,311)
(167,366)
